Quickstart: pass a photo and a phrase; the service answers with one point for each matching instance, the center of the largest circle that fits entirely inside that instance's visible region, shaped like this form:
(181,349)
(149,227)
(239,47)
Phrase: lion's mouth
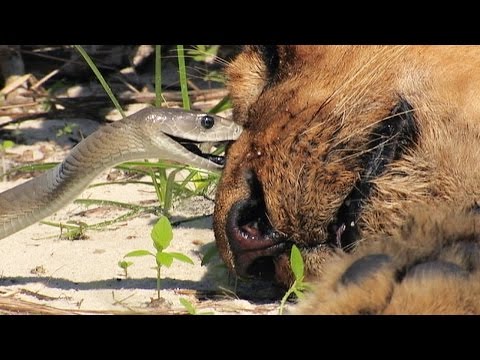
(259,249)
(253,240)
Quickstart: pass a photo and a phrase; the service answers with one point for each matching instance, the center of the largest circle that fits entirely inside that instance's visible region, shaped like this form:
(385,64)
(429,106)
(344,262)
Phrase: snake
(165,133)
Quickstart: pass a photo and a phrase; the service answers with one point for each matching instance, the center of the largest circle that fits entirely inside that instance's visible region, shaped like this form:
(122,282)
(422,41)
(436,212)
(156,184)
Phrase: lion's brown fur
(305,130)
(449,235)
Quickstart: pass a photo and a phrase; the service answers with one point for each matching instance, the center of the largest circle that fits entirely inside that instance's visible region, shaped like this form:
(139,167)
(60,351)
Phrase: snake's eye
(207,121)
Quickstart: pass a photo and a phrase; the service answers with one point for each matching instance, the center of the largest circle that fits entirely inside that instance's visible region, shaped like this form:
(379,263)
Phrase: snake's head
(184,130)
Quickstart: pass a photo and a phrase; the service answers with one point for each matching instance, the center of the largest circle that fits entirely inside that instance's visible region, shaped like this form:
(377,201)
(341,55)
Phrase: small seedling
(73,230)
(207,54)
(299,286)
(215,76)
(66,130)
(6,144)
(162,235)
(191,309)
(125,265)
(204,53)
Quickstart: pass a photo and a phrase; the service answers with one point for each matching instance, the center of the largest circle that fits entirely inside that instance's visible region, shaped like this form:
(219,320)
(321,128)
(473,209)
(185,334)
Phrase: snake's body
(142,135)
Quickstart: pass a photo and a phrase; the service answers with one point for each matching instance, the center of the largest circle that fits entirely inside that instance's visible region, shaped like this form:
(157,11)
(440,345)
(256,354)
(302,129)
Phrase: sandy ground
(42,273)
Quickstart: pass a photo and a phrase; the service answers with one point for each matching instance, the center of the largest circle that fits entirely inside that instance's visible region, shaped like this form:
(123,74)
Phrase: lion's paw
(432,266)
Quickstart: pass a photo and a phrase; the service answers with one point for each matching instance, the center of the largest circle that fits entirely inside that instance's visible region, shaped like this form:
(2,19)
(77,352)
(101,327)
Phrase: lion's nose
(252,239)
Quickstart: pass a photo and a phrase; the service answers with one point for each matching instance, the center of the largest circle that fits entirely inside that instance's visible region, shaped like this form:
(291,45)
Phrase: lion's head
(340,142)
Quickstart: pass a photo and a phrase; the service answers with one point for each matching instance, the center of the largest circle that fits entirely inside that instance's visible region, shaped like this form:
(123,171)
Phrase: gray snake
(149,133)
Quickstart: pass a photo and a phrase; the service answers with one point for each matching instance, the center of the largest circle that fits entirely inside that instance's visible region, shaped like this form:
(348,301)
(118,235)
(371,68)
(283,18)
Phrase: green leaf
(181,257)
(298,293)
(138,253)
(100,78)
(306,286)
(7,144)
(188,305)
(296,262)
(216,76)
(223,105)
(183,77)
(169,187)
(164,259)
(125,264)
(209,254)
(204,53)
(162,234)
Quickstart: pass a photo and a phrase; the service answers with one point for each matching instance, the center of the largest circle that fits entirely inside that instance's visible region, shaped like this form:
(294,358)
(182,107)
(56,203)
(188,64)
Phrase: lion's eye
(207,121)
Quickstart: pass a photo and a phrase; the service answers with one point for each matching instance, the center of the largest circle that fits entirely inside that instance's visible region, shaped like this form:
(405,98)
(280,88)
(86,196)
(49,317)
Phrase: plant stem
(222,105)
(285,298)
(169,187)
(158,188)
(158,282)
(100,78)
(100,202)
(183,77)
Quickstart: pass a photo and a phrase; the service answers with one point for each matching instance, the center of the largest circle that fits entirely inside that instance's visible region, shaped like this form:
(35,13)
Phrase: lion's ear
(260,66)
(247,75)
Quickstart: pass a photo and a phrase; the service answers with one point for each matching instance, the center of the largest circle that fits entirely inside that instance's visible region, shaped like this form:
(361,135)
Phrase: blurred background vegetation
(54,80)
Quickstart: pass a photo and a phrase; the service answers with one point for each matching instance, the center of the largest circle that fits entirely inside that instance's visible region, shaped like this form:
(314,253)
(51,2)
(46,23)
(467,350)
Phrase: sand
(41,272)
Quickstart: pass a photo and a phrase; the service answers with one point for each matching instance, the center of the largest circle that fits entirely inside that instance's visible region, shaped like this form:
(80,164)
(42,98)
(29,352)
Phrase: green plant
(161,235)
(207,54)
(191,309)
(222,105)
(204,53)
(73,230)
(77,233)
(183,77)
(125,265)
(164,175)
(6,144)
(66,130)
(100,78)
(76,230)
(299,286)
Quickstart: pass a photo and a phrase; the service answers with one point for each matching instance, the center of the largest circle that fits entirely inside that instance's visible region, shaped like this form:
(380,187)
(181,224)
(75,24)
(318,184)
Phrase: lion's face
(336,146)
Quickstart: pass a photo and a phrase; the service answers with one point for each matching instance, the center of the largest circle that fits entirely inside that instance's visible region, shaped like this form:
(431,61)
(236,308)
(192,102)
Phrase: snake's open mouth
(192,146)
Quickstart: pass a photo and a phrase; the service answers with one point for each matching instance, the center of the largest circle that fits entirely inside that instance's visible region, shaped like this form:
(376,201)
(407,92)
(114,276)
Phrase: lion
(367,159)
